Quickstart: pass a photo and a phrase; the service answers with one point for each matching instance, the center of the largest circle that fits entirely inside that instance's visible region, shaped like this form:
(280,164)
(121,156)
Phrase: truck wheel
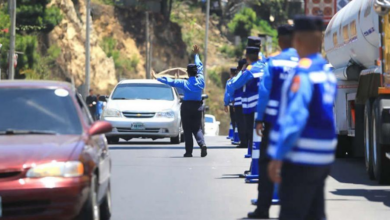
(380,162)
(367,135)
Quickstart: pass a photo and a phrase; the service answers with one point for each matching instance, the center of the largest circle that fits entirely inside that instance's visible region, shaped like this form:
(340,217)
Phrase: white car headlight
(167,114)
(57,169)
(110,112)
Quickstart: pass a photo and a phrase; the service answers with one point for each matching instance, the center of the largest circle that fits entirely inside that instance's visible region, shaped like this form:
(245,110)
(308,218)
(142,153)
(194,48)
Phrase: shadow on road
(375,195)
(116,147)
(352,171)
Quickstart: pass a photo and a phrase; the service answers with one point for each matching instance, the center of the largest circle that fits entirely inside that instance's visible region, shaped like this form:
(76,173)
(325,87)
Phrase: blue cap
(308,23)
(254,41)
(192,69)
(233,69)
(286,29)
(252,50)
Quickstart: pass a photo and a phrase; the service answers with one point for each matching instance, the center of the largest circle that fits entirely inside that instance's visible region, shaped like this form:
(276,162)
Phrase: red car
(54,160)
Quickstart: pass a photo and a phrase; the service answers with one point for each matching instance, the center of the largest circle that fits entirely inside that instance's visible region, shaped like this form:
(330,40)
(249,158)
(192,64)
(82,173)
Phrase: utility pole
(11,69)
(147,47)
(0,59)
(206,40)
(87,50)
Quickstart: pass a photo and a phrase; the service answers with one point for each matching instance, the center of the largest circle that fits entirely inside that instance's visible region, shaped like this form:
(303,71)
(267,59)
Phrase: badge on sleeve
(305,63)
(249,67)
(295,84)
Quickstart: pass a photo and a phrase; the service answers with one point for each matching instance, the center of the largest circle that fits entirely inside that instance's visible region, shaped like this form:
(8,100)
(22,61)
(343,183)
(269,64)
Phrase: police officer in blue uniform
(229,100)
(238,109)
(256,42)
(192,106)
(303,141)
(249,80)
(279,68)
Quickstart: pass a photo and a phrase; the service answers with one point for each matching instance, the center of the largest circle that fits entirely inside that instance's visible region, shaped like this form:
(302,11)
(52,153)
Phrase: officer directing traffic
(303,141)
(280,67)
(192,106)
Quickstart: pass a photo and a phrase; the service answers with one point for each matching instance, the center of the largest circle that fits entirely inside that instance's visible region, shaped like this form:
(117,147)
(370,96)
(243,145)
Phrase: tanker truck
(357,45)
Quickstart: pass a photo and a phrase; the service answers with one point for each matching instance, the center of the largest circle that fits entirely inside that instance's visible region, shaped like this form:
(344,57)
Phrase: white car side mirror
(218,122)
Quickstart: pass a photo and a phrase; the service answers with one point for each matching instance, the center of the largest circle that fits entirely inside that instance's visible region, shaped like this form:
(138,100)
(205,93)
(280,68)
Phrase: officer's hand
(196,49)
(259,129)
(226,109)
(274,169)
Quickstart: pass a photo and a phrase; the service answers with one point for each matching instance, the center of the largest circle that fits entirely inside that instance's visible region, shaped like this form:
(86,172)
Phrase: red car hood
(17,151)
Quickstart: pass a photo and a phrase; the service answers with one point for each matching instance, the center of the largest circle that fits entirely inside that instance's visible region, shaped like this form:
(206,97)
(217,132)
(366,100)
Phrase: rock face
(69,35)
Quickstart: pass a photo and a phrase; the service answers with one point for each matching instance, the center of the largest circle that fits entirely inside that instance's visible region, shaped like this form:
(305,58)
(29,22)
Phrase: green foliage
(122,63)
(232,51)
(33,16)
(213,75)
(105,2)
(243,22)
(44,64)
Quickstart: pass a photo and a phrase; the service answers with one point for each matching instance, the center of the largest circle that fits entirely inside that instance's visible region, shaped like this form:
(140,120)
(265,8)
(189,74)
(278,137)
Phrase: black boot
(203,151)
(258,215)
(187,155)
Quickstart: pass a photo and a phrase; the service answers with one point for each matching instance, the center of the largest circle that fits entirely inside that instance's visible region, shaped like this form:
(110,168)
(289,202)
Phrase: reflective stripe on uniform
(237,103)
(250,105)
(252,98)
(284,63)
(310,158)
(271,111)
(258,75)
(273,103)
(316,144)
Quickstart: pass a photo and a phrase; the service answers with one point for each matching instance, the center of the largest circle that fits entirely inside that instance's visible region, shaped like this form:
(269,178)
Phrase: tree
(243,22)
(34,16)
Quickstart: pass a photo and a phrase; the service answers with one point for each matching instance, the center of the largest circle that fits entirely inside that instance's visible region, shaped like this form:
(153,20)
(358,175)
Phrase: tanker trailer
(357,45)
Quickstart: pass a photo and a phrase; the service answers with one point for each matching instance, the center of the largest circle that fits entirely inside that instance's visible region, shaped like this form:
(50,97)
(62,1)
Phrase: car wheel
(105,207)
(90,210)
(175,140)
(113,140)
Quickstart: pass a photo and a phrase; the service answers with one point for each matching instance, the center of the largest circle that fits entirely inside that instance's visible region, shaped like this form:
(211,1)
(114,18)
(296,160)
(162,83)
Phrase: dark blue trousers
(191,117)
(301,192)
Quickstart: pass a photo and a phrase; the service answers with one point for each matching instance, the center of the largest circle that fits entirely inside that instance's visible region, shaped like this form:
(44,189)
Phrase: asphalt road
(151,180)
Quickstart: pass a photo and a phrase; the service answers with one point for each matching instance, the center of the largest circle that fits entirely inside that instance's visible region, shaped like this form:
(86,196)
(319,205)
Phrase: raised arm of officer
(198,62)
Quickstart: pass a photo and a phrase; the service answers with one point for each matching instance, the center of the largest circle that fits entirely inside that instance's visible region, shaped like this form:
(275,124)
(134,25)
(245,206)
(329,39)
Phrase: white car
(144,109)
(211,126)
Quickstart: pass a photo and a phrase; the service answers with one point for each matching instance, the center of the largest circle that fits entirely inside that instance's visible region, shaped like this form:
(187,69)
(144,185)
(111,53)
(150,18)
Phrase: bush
(243,22)
(213,75)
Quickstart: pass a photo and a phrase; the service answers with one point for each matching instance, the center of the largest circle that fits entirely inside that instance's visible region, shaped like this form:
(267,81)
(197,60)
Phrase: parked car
(144,109)
(55,162)
(211,125)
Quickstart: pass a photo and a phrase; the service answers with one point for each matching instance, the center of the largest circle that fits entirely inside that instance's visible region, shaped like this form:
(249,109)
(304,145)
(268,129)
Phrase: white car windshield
(143,91)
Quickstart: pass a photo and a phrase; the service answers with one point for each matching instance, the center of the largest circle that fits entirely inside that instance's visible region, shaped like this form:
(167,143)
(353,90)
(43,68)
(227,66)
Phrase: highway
(151,180)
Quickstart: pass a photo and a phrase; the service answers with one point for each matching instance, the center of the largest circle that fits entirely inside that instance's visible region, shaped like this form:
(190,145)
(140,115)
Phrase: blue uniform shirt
(193,87)
(249,79)
(305,131)
(279,67)
(228,98)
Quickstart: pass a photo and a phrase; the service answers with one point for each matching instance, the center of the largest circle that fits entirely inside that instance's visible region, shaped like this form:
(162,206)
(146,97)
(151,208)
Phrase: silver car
(144,109)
